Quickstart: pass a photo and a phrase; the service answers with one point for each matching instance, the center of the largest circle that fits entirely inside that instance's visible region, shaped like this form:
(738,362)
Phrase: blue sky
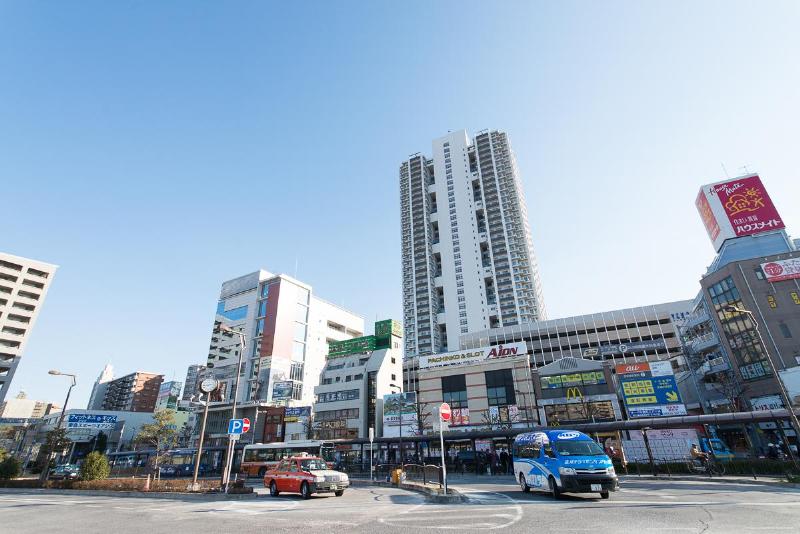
(155,149)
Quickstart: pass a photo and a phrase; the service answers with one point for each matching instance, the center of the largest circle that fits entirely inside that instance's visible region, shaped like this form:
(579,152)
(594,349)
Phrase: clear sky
(155,149)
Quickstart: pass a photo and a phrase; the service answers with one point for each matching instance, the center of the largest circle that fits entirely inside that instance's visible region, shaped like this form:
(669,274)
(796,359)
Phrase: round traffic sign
(245,424)
(444,411)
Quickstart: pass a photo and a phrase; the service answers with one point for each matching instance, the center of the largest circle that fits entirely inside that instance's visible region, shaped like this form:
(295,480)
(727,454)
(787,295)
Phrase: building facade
(467,254)
(100,387)
(168,395)
(22,407)
(358,373)
(194,375)
(136,392)
(23,287)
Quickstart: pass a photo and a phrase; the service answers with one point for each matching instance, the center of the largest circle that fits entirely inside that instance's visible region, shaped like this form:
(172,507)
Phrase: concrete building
(100,387)
(287,330)
(22,407)
(467,253)
(358,373)
(194,374)
(136,392)
(23,287)
(168,395)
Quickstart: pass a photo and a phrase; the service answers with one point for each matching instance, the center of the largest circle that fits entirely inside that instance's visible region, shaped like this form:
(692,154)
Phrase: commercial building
(136,392)
(287,330)
(467,253)
(23,287)
(358,373)
(168,395)
(21,407)
(100,387)
(194,375)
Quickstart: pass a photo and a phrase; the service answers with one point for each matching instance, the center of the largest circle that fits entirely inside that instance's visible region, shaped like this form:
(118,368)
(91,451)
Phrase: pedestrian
(504,461)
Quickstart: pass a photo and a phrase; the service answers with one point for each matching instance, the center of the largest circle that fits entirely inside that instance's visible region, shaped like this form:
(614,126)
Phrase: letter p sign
(235,426)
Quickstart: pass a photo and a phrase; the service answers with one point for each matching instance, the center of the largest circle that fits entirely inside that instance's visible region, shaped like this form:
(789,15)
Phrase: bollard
(147,483)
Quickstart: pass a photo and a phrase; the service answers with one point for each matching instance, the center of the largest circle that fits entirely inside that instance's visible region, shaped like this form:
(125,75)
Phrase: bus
(260,457)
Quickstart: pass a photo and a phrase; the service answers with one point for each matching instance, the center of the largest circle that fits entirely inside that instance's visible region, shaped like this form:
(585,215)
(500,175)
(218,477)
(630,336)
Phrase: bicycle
(711,467)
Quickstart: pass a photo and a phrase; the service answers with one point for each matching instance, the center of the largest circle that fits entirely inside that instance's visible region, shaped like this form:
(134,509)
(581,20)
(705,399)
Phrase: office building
(136,392)
(21,407)
(468,260)
(358,373)
(23,287)
(194,375)
(168,395)
(100,387)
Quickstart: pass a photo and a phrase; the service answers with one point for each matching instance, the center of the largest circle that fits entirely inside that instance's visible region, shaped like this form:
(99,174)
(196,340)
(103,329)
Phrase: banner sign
(776,271)
(400,409)
(650,390)
(335,396)
(472,356)
(586,378)
(295,414)
(634,346)
(282,390)
(18,421)
(735,208)
(88,420)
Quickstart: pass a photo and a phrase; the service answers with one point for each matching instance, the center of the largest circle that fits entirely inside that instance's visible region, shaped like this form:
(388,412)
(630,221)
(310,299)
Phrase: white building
(287,331)
(100,387)
(22,407)
(23,288)
(191,387)
(358,373)
(468,261)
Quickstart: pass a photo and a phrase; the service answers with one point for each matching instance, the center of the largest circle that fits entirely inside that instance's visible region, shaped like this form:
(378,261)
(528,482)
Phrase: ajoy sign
(473,356)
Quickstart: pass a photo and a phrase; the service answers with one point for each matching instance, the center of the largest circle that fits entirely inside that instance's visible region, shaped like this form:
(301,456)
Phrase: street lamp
(54,372)
(400,392)
(781,388)
(225,329)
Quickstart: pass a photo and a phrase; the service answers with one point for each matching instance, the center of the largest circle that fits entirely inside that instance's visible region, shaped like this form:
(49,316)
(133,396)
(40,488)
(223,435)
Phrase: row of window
(18,267)
(499,389)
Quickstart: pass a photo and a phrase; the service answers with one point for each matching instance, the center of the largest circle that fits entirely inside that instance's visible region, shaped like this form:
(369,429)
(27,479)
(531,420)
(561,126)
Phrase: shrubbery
(95,467)
(10,468)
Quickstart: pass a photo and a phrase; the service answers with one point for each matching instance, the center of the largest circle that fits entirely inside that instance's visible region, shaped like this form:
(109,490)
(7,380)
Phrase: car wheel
(554,491)
(605,494)
(523,484)
(305,491)
(273,489)
(339,493)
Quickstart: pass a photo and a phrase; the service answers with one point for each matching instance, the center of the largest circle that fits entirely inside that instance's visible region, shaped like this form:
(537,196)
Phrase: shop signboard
(282,390)
(336,396)
(460,417)
(650,390)
(358,345)
(634,346)
(779,270)
(92,421)
(400,414)
(296,414)
(585,378)
(473,356)
(736,207)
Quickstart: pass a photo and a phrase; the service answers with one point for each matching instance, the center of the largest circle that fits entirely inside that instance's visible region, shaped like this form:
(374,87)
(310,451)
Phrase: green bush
(95,467)
(10,468)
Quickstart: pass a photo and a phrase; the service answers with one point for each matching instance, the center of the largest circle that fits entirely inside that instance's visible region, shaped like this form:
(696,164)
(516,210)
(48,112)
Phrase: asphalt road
(641,506)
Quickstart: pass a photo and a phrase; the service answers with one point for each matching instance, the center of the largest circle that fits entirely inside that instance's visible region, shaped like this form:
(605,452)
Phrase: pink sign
(776,271)
(748,206)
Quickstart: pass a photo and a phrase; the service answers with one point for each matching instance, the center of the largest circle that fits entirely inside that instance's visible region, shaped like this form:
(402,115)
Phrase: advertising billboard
(650,390)
(400,413)
(777,271)
(93,421)
(633,346)
(282,390)
(296,414)
(735,208)
(472,356)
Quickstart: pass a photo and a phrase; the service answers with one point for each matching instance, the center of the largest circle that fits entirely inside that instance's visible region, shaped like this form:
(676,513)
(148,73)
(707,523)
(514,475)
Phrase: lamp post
(54,372)
(781,387)
(225,329)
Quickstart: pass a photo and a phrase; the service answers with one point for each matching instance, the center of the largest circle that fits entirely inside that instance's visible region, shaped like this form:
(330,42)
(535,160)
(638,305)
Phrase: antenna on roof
(746,170)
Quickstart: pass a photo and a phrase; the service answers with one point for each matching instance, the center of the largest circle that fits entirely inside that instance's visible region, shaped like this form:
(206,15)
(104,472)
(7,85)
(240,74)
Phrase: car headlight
(319,479)
(611,471)
(566,471)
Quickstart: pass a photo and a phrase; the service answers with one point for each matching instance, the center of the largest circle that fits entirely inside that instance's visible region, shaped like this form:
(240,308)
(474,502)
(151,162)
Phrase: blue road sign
(235,426)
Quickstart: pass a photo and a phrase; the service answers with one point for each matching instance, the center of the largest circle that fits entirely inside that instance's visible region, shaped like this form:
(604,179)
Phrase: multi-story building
(100,387)
(21,407)
(467,253)
(168,395)
(194,375)
(136,392)
(287,330)
(358,373)
(23,288)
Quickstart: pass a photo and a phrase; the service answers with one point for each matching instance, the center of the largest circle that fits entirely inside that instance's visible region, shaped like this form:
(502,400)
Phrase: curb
(137,494)
(722,479)
(431,495)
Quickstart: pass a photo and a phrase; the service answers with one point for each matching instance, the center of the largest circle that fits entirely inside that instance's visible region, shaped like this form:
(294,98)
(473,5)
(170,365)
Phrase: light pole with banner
(787,402)
(444,416)
(207,386)
(46,470)
(225,329)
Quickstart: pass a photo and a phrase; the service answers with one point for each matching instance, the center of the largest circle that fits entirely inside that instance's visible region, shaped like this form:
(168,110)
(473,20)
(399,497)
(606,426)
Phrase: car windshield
(579,448)
(313,465)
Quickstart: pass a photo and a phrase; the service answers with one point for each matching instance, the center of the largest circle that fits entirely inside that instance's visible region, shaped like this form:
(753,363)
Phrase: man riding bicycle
(699,455)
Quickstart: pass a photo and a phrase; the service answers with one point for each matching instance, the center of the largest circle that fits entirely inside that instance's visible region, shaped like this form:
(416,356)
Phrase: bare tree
(730,388)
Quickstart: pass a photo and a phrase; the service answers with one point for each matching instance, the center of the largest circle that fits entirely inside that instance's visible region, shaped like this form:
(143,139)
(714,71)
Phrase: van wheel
(605,495)
(273,489)
(554,491)
(339,493)
(305,491)
(523,484)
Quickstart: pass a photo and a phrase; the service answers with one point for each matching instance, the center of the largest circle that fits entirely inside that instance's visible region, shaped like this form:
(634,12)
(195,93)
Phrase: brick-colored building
(136,392)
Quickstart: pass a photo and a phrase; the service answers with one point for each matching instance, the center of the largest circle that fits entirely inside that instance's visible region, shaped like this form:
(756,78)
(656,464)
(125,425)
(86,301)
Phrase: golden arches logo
(574,393)
(750,200)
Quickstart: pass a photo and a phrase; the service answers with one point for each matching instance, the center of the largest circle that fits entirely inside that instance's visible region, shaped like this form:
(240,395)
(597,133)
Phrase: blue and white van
(562,461)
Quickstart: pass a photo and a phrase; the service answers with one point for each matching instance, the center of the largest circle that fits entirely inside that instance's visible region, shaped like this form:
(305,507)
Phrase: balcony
(715,365)
(704,342)
(696,319)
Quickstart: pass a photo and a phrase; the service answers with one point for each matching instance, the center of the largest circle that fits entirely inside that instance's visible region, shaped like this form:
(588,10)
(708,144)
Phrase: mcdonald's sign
(574,393)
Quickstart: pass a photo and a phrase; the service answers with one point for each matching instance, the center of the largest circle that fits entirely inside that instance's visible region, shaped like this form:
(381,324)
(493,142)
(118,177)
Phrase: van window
(529,450)
(579,448)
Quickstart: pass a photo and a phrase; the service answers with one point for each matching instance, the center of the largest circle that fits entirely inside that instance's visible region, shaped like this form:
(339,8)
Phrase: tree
(56,442)
(95,467)
(161,434)
(101,442)
(726,384)
(10,468)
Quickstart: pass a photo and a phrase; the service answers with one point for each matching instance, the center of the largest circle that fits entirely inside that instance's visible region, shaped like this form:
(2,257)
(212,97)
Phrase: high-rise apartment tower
(468,261)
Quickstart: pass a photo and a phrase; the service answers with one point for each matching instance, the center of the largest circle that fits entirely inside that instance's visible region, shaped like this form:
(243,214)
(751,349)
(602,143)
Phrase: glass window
(262,308)
(259,327)
(500,387)
(299,332)
(265,290)
(454,391)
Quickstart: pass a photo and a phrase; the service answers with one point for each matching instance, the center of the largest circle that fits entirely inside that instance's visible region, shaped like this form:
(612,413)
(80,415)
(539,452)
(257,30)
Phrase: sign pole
(371,439)
(441,444)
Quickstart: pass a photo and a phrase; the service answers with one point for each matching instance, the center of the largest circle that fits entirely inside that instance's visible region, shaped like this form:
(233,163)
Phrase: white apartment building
(100,387)
(468,260)
(359,372)
(287,331)
(23,288)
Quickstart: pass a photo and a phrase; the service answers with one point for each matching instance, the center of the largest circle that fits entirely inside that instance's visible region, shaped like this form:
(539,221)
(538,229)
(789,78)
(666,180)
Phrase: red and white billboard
(775,271)
(735,208)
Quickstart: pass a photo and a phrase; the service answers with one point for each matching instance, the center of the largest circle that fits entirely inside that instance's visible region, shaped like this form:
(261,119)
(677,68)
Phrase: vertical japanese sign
(735,208)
